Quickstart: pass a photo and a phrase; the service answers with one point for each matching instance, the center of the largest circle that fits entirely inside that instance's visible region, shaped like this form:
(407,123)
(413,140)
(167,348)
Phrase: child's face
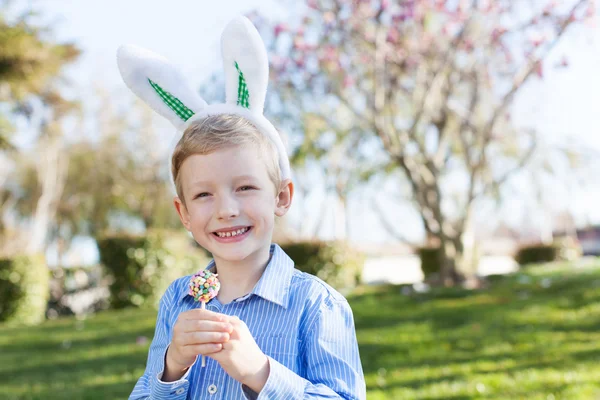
(229,191)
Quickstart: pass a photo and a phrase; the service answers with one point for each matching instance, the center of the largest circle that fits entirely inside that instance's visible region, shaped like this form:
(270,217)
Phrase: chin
(234,255)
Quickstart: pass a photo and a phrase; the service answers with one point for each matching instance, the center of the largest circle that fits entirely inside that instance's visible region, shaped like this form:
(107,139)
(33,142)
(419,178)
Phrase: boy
(272,332)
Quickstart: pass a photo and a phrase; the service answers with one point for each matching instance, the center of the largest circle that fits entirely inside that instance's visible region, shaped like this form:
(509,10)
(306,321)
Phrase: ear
(284,198)
(246,65)
(183,213)
(159,84)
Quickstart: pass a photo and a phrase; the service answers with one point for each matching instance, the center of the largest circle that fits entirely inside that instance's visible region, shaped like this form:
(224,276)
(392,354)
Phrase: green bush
(431,264)
(142,267)
(537,253)
(24,289)
(562,249)
(337,263)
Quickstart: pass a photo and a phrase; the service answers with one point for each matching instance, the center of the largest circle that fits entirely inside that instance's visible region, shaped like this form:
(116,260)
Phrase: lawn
(532,335)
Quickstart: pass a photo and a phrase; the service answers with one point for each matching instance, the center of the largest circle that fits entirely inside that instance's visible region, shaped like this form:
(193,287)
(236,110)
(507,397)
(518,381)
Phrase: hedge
(142,267)
(565,249)
(431,263)
(336,262)
(24,289)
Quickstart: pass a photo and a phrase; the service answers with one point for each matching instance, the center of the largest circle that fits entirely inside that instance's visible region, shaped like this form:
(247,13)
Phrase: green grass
(518,340)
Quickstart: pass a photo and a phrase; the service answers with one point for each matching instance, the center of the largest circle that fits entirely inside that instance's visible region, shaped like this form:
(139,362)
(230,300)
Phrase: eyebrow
(235,178)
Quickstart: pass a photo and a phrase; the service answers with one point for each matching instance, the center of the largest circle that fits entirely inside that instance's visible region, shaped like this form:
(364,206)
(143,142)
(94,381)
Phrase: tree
(433,80)
(114,177)
(30,62)
(30,67)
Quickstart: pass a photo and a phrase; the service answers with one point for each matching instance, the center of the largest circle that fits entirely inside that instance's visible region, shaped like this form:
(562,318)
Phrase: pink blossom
(537,39)
(299,43)
(591,10)
(564,62)
(539,70)
(279,28)
(330,53)
(348,81)
(328,17)
(397,18)
(469,45)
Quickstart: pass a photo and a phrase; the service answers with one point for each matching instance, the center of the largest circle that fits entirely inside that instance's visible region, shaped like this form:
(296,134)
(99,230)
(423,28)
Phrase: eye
(203,194)
(246,188)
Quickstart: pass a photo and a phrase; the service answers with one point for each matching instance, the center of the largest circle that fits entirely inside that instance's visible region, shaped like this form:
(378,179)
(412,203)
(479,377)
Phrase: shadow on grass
(75,371)
(50,344)
(415,343)
(88,392)
(70,359)
(517,325)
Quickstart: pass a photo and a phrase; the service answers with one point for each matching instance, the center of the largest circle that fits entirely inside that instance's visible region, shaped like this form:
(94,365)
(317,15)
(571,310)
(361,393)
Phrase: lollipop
(204,286)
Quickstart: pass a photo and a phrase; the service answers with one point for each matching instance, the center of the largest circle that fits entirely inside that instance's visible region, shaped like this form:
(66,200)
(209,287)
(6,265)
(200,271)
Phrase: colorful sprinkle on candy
(204,286)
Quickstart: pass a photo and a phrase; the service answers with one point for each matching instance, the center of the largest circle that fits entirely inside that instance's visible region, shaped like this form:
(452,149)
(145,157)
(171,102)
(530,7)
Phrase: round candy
(204,286)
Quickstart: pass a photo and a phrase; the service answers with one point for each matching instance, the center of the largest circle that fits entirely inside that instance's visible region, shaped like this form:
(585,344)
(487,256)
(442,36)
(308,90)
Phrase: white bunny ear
(246,65)
(159,84)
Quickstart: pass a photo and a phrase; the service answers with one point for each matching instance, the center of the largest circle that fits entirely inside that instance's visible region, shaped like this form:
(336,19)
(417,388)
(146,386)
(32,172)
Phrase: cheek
(200,213)
(260,208)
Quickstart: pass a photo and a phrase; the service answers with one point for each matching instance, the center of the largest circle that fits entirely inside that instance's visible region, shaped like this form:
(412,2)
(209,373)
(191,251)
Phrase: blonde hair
(217,132)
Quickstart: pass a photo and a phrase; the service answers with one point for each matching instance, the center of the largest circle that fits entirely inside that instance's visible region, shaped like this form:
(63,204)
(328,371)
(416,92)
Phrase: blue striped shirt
(303,325)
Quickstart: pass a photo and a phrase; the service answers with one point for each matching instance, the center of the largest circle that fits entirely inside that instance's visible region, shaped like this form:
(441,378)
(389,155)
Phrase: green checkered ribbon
(173,102)
(243,95)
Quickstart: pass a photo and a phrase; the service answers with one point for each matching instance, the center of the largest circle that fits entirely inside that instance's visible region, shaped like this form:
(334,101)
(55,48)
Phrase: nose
(228,208)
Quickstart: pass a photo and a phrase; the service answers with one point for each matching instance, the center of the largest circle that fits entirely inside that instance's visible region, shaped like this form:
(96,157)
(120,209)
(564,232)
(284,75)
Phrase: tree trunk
(452,257)
(321,218)
(52,173)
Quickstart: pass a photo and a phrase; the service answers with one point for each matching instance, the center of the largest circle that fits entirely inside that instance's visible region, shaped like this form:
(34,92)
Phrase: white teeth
(234,233)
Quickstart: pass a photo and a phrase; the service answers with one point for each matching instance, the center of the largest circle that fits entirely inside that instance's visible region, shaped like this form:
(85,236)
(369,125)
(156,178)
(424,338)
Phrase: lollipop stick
(203,306)
(204,286)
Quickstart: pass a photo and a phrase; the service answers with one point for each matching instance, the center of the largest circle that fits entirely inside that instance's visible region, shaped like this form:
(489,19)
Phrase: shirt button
(180,391)
(212,389)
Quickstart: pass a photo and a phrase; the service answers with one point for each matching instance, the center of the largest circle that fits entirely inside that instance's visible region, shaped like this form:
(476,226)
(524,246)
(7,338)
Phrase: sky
(564,105)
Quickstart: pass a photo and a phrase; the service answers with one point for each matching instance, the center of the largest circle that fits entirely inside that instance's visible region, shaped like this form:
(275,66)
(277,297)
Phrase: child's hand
(241,357)
(196,332)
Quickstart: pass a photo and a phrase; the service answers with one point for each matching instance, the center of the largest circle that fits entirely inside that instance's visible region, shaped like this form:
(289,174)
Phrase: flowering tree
(432,81)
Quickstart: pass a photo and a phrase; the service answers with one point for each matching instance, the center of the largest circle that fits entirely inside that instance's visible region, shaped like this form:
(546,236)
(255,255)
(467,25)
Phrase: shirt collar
(274,284)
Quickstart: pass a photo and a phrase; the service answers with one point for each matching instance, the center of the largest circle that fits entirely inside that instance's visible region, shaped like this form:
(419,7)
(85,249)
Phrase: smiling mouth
(235,233)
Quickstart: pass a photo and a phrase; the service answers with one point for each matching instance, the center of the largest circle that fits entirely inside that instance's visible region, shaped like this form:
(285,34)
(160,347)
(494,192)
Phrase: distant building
(589,238)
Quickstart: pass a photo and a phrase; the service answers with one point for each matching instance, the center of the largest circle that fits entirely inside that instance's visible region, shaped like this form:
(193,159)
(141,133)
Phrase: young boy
(272,332)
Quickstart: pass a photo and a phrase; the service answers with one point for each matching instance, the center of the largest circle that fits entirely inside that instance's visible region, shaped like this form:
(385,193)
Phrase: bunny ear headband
(160,85)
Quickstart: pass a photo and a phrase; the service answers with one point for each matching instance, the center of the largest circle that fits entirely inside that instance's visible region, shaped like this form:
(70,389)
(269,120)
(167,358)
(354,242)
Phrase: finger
(203,349)
(193,338)
(198,313)
(194,325)
(234,319)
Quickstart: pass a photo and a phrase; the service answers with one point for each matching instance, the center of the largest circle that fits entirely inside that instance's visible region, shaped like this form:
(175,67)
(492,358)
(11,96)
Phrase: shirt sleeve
(330,357)
(149,386)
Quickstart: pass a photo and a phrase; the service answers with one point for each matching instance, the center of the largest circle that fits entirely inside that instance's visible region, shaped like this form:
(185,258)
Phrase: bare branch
(447,58)
(508,174)
(384,219)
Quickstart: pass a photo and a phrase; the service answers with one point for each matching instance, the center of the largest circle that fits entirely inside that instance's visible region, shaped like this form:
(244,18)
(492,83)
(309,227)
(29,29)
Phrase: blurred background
(445,156)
